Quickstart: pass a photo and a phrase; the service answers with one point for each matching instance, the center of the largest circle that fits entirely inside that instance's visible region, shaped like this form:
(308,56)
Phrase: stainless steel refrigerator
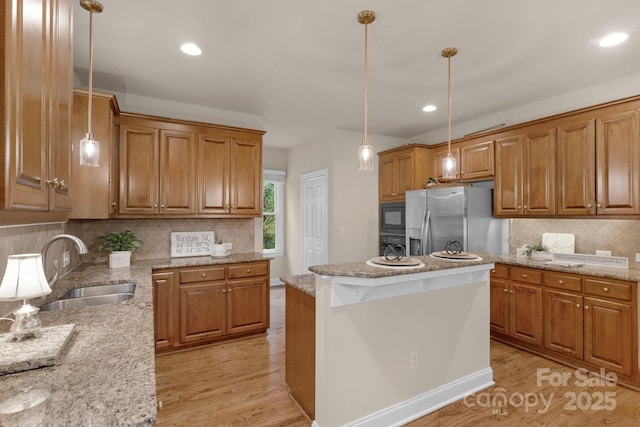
(436,216)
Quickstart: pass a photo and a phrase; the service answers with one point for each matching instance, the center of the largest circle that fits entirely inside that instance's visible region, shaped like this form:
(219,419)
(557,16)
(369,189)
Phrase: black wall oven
(392,225)
(392,218)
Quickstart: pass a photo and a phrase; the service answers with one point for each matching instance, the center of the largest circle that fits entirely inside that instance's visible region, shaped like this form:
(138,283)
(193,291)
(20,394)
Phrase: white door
(314,219)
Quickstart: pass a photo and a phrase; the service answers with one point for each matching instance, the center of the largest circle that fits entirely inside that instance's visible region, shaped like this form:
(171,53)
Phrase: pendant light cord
(366,84)
(90,74)
(449,96)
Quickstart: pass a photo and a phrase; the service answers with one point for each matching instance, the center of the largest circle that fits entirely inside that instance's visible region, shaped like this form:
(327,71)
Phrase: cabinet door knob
(204,274)
(525,206)
(155,206)
(519,207)
(493,271)
(113,204)
(248,270)
(605,289)
(524,276)
(511,291)
(589,205)
(586,307)
(599,205)
(224,291)
(561,282)
(506,290)
(578,305)
(161,206)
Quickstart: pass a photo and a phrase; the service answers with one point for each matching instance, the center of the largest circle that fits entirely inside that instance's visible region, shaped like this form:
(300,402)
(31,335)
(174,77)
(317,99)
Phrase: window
(272,212)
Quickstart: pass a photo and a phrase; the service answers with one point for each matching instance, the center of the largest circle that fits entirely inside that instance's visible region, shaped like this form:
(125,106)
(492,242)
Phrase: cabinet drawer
(561,281)
(608,289)
(202,274)
(500,271)
(248,270)
(526,275)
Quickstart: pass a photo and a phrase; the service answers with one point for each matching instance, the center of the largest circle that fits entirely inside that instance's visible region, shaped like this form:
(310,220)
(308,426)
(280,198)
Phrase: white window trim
(278,178)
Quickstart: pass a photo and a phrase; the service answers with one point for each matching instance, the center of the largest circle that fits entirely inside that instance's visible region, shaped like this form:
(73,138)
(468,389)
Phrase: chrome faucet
(80,247)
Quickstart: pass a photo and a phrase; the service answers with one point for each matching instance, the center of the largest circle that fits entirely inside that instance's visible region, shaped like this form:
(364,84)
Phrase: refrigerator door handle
(424,232)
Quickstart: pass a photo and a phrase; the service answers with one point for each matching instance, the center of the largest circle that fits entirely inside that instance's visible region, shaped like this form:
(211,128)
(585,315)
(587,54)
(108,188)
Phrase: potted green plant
(537,250)
(120,246)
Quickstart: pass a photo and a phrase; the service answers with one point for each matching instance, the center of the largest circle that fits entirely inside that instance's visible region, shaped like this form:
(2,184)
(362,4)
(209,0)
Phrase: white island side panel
(363,373)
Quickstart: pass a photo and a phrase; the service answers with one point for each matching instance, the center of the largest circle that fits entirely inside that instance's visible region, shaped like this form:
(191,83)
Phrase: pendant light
(89,147)
(365,152)
(449,162)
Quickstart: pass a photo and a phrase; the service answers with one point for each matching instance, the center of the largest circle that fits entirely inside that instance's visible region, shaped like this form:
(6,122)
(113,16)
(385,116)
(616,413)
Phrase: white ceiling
(299,65)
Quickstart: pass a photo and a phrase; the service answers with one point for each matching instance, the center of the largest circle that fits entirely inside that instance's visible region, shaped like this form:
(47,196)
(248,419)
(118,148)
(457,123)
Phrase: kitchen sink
(90,291)
(92,296)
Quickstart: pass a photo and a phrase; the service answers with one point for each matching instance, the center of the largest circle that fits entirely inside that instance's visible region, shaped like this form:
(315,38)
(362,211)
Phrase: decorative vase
(118,259)
(538,255)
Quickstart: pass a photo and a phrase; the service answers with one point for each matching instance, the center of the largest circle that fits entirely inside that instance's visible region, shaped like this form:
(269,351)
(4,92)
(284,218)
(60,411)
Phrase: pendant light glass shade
(365,157)
(365,151)
(449,169)
(89,147)
(89,151)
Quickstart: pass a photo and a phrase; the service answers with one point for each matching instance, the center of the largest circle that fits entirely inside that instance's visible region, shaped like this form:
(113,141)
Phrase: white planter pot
(118,259)
(539,255)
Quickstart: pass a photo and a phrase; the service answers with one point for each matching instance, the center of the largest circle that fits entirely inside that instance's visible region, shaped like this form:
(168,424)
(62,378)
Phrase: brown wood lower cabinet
(200,305)
(586,322)
(300,348)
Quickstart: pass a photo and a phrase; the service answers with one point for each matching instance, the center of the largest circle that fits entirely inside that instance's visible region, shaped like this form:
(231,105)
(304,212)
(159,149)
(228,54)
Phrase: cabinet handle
(519,207)
(524,276)
(511,291)
(561,282)
(61,185)
(493,271)
(578,305)
(155,206)
(589,205)
(229,289)
(586,307)
(204,274)
(233,206)
(599,205)
(605,289)
(248,270)
(113,204)
(224,291)
(525,206)
(161,206)
(227,206)
(506,290)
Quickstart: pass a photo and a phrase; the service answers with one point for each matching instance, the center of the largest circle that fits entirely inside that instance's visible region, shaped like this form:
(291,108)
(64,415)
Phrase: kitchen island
(106,375)
(393,344)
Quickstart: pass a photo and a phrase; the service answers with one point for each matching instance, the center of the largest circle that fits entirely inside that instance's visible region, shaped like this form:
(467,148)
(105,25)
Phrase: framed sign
(192,243)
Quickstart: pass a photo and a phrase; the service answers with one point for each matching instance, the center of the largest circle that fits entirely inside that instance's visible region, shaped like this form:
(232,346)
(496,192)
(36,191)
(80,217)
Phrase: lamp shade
(24,278)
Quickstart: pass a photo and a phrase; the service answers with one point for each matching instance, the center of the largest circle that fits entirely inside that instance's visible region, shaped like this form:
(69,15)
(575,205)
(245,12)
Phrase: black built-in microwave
(392,218)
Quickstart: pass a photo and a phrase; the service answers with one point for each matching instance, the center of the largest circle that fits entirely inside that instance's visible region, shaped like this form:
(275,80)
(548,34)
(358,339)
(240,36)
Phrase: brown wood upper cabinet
(599,162)
(475,159)
(403,169)
(100,199)
(157,170)
(525,173)
(176,168)
(36,106)
(230,175)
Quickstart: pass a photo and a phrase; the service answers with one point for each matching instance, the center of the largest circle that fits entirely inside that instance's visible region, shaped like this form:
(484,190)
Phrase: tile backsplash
(620,236)
(156,233)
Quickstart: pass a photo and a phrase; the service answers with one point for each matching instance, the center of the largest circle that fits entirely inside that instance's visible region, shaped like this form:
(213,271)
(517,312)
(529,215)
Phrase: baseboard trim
(421,405)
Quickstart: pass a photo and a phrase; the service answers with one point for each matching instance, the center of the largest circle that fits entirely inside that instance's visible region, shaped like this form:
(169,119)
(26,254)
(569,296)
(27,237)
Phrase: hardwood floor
(241,383)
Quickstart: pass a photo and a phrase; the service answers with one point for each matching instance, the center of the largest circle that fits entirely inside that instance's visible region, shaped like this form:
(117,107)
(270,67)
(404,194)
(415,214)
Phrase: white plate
(222,255)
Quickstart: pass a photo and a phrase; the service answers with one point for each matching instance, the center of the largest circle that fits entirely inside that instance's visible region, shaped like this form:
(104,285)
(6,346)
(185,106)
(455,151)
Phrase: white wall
(352,198)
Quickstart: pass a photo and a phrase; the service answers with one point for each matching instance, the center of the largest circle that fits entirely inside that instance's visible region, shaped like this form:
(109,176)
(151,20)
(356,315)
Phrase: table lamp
(24,278)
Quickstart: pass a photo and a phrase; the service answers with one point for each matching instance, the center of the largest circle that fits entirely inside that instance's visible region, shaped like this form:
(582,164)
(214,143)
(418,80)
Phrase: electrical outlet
(341,230)
(413,360)
(66,259)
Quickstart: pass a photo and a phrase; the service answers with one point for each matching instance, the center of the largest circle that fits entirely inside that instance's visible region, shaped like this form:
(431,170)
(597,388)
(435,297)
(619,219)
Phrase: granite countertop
(631,274)
(303,282)
(363,269)
(106,376)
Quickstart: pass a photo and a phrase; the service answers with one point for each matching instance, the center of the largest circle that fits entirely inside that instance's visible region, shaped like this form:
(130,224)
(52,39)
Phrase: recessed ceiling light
(429,108)
(613,39)
(191,49)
